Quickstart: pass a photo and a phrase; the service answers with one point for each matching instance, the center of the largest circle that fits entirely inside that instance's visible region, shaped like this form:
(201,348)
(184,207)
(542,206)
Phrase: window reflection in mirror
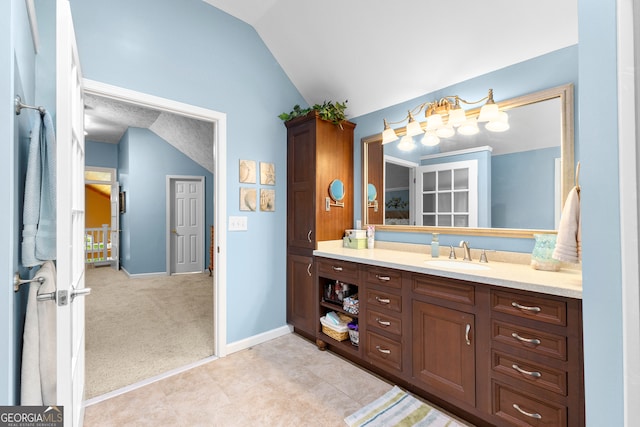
(521,187)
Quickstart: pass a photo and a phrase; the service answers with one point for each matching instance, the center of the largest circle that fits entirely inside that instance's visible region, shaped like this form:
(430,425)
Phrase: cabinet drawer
(533,340)
(530,307)
(381,299)
(546,377)
(384,276)
(379,320)
(384,351)
(341,270)
(444,289)
(522,410)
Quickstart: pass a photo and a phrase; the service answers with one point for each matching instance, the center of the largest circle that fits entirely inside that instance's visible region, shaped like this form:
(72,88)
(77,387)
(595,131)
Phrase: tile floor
(284,382)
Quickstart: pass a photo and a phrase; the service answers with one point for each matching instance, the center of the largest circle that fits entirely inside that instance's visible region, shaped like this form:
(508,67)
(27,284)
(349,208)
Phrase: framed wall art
(267,173)
(248,171)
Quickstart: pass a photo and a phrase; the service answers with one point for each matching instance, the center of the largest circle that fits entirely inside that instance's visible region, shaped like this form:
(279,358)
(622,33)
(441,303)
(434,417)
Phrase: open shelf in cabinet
(331,294)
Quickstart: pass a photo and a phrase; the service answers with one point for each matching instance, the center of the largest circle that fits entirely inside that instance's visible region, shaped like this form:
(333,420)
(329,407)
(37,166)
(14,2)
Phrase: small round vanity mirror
(371,192)
(336,190)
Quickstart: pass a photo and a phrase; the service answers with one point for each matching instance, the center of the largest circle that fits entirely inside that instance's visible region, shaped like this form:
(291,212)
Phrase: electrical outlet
(237,223)
(358,224)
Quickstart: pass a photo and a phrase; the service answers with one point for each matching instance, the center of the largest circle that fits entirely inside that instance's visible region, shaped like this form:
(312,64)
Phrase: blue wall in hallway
(101,154)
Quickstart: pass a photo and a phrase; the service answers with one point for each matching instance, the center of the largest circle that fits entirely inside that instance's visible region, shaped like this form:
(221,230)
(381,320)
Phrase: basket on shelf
(338,332)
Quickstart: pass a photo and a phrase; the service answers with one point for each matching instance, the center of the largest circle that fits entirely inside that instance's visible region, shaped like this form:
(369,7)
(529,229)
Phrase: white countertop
(566,282)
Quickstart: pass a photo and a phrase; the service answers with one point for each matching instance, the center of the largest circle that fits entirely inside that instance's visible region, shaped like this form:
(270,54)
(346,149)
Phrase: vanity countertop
(566,282)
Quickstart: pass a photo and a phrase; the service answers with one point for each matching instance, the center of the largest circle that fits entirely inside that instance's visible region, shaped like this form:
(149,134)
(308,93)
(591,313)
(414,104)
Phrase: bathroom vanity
(496,344)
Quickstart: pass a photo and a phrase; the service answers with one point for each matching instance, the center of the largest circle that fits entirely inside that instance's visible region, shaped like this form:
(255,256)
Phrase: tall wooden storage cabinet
(318,152)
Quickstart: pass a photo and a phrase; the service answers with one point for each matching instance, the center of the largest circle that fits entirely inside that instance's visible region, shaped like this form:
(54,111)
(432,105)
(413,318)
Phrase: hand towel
(39,210)
(569,242)
(39,375)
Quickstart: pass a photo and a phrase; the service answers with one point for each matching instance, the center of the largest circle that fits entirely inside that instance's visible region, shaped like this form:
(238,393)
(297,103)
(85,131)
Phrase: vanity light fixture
(437,127)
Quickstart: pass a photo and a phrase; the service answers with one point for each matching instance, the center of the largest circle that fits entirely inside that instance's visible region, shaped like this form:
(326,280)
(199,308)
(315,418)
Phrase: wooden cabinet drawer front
(381,299)
(533,340)
(551,379)
(341,270)
(384,351)
(379,320)
(444,289)
(530,307)
(384,276)
(522,410)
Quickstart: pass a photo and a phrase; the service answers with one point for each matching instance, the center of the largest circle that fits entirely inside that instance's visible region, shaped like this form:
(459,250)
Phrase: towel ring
(17,281)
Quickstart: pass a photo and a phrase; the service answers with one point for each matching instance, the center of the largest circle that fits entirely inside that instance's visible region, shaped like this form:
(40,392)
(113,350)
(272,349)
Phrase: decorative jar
(542,255)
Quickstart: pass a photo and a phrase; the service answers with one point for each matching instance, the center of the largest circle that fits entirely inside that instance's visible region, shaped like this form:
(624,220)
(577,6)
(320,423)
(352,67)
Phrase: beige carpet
(139,328)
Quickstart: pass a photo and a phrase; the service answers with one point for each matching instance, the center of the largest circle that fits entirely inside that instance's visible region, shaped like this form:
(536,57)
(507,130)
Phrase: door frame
(170,181)
(219,121)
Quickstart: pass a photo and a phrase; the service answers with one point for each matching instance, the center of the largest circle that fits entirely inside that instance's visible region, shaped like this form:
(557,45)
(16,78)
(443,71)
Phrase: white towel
(39,211)
(39,375)
(568,244)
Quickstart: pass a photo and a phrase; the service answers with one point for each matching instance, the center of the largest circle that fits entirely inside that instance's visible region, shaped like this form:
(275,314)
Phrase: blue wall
(516,203)
(550,70)
(190,52)
(101,154)
(600,206)
(147,160)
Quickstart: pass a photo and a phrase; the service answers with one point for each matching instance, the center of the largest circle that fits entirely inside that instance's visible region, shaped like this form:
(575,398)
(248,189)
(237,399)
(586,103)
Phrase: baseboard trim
(258,339)
(140,275)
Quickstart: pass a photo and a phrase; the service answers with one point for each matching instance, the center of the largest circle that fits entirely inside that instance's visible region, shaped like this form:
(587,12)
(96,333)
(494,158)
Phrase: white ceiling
(377,53)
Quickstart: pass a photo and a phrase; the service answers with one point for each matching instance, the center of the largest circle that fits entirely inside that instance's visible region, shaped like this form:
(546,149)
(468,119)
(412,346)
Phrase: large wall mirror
(504,184)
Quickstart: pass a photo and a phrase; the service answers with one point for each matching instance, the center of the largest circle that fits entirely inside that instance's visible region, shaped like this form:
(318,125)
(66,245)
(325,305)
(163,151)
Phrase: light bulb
(445,131)
(470,127)
(434,121)
(500,124)
(406,143)
(457,117)
(430,139)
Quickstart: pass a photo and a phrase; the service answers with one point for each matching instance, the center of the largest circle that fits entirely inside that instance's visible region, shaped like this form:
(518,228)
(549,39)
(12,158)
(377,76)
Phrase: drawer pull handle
(467,329)
(383,278)
(309,269)
(383,300)
(534,341)
(383,350)
(383,322)
(336,268)
(309,236)
(525,308)
(523,372)
(528,414)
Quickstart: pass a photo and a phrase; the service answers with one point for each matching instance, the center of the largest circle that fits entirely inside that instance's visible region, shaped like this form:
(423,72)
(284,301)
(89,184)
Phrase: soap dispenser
(435,246)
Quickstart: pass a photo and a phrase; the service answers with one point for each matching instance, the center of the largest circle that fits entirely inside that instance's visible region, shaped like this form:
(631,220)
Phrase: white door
(186,224)
(70,220)
(114,238)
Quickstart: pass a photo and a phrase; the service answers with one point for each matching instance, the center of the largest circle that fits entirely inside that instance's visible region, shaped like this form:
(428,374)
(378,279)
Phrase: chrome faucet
(467,251)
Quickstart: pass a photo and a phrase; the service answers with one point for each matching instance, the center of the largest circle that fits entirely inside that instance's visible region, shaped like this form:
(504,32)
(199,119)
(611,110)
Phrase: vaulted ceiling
(377,53)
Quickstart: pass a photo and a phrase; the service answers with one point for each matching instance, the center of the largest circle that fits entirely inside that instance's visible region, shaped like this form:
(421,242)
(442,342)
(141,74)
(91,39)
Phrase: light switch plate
(237,223)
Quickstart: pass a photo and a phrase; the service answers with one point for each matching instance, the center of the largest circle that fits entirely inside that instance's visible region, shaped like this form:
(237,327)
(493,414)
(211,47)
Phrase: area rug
(397,408)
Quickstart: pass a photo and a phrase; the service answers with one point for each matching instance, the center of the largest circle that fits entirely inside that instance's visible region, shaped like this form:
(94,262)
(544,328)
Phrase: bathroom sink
(456,265)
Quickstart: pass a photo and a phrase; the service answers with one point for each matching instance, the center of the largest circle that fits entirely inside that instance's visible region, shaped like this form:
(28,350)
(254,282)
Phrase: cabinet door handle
(467,329)
(309,236)
(383,300)
(383,322)
(525,308)
(383,278)
(309,269)
(523,372)
(383,350)
(528,414)
(534,341)
(336,268)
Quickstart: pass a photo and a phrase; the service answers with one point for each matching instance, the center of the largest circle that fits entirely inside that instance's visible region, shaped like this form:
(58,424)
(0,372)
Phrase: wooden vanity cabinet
(444,338)
(491,355)
(536,359)
(317,153)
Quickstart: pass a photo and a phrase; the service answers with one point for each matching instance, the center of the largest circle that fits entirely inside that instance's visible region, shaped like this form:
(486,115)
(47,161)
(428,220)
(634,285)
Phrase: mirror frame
(565,93)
